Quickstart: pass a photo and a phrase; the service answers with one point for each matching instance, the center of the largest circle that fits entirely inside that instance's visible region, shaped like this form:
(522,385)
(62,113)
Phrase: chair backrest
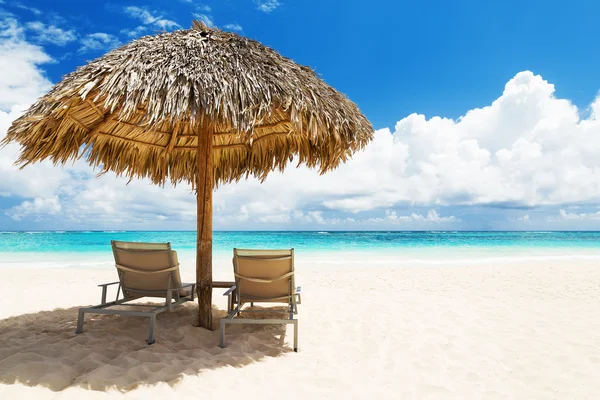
(264,275)
(146,269)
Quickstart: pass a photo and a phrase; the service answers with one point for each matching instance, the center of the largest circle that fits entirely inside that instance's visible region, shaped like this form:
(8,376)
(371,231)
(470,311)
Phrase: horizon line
(279,230)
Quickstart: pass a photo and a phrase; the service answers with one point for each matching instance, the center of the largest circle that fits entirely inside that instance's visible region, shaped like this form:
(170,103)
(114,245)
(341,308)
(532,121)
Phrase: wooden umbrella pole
(204,191)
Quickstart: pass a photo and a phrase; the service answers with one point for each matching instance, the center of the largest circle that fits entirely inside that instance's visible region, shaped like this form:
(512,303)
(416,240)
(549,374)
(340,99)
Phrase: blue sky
(484,113)
(392,58)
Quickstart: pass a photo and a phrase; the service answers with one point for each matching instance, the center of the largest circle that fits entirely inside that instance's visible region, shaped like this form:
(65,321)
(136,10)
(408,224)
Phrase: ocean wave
(323,233)
(7,233)
(114,231)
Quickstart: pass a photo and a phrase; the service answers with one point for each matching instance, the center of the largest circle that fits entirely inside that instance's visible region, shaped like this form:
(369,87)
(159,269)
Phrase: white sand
(517,331)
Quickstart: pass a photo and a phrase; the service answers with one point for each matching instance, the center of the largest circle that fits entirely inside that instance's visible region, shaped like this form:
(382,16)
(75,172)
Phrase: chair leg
(296,335)
(222,334)
(151,330)
(80,318)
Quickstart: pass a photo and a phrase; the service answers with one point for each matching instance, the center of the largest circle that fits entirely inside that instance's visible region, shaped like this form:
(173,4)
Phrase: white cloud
(28,8)
(206,19)
(199,7)
(275,219)
(431,217)
(37,180)
(99,41)
(149,18)
(135,32)
(113,201)
(21,83)
(523,218)
(309,217)
(316,216)
(528,148)
(233,27)
(38,208)
(567,216)
(21,80)
(51,33)
(267,5)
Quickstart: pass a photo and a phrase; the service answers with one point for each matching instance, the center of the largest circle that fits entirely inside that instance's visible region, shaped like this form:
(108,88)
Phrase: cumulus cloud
(39,208)
(99,41)
(150,18)
(528,148)
(567,216)
(267,5)
(21,80)
(51,33)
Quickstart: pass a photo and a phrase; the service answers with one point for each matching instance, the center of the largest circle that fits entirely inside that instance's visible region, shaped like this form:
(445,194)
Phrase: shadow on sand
(41,349)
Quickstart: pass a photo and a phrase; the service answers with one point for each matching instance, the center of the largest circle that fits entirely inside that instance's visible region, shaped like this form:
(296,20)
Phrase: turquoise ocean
(51,248)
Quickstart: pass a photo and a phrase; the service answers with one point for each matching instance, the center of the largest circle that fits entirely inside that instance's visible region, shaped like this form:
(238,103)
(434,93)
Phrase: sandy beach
(494,331)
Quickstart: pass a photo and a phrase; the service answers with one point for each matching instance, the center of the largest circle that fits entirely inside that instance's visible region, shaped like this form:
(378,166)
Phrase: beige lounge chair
(145,270)
(262,276)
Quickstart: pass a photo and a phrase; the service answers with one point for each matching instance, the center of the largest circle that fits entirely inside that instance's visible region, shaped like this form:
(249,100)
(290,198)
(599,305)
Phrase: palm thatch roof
(139,109)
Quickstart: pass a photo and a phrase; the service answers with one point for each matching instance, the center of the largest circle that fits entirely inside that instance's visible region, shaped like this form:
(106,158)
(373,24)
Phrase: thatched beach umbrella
(200,106)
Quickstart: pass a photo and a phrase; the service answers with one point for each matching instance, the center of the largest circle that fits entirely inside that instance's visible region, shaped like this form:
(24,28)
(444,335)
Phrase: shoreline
(439,256)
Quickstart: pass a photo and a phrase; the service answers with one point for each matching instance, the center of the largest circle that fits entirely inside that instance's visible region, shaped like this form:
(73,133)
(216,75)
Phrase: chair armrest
(231,298)
(231,289)
(222,284)
(108,284)
(104,286)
